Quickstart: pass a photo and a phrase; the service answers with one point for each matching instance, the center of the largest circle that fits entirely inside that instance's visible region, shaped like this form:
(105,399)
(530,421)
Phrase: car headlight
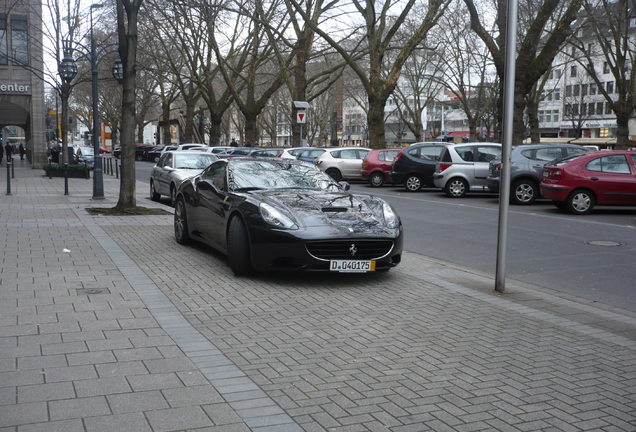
(391,219)
(276,218)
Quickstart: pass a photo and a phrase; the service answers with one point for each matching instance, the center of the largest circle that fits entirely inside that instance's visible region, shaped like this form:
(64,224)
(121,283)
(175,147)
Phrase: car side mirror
(344,185)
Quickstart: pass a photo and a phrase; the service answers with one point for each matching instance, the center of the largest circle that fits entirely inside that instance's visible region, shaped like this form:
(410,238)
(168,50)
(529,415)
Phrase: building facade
(21,91)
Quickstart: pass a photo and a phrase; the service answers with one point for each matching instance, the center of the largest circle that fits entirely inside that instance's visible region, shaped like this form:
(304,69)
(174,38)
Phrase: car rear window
(616,164)
(548,154)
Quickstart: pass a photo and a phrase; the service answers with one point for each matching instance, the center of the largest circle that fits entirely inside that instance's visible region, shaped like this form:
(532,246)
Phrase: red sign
(301,116)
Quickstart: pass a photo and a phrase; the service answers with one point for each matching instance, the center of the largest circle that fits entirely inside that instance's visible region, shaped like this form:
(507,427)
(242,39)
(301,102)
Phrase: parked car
(376,166)
(310,155)
(192,146)
(218,149)
(155,153)
(464,167)
(236,152)
(282,214)
(267,152)
(172,168)
(526,169)
(414,166)
(292,153)
(342,162)
(578,183)
(141,151)
(84,155)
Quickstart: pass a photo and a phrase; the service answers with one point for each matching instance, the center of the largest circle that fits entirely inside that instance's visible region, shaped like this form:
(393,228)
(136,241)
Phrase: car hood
(343,212)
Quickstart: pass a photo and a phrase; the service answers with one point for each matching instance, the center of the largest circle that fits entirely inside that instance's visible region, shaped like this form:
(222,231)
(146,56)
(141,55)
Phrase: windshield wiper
(247,189)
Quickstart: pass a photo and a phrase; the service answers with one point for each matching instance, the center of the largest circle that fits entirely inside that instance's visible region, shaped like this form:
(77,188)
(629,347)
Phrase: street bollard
(110,166)
(12,169)
(8,177)
(116,170)
(65,179)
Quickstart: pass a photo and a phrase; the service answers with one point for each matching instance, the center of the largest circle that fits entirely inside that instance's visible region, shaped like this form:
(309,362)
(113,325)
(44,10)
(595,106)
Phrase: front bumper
(282,250)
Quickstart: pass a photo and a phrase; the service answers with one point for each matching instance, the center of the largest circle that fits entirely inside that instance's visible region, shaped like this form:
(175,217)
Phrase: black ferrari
(282,214)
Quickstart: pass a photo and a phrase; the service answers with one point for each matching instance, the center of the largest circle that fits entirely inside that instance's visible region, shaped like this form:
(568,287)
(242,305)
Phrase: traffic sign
(301,117)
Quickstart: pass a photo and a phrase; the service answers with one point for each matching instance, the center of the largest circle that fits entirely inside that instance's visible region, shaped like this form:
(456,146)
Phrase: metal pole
(65,178)
(117,169)
(98,179)
(12,168)
(508,116)
(8,177)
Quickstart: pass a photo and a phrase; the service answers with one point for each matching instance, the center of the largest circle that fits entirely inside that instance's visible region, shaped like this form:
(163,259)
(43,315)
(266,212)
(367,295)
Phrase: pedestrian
(8,151)
(1,153)
(234,143)
(22,151)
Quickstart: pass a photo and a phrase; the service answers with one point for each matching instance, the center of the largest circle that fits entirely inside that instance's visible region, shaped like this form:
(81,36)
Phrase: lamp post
(67,70)
(98,180)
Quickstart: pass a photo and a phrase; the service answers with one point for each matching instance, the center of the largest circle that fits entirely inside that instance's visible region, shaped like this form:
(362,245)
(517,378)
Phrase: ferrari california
(283,214)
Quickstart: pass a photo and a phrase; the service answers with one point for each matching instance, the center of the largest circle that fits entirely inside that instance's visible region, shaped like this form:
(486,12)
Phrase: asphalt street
(591,257)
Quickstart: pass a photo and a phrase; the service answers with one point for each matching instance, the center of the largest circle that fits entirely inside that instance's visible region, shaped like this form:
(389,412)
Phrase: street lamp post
(67,70)
(98,180)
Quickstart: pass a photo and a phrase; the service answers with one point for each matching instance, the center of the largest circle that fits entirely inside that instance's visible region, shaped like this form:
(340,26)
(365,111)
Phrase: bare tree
(380,26)
(604,44)
(544,25)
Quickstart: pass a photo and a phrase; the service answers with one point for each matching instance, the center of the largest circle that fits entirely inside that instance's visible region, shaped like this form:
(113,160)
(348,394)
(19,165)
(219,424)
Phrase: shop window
(603,132)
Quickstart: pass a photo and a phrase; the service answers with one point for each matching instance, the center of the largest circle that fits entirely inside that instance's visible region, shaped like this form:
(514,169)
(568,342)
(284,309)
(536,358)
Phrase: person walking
(8,151)
(22,151)
(233,143)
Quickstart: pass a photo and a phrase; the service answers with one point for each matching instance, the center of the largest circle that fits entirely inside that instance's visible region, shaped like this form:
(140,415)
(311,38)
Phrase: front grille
(342,249)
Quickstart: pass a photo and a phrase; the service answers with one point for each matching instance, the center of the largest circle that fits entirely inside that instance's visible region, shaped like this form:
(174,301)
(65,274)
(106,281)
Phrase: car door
(611,179)
(164,174)
(484,154)
(157,172)
(212,196)
(349,164)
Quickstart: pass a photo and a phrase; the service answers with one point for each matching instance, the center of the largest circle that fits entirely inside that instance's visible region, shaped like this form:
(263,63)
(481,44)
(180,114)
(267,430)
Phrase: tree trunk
(140,133)
(533,121)
(622,132)
(300,89)
(251,130)
(127,198)
(375,118)
(216,125)
(165,119)
(519,127)
(472,129)
(188,132)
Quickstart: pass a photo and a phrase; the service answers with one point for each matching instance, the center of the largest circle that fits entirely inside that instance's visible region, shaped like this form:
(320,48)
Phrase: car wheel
(580,202)
(376,179)
(153,193)
(173,195)
(413,183)
(523,192)
(181,223)
(456,188)
(334,173)
(238,248)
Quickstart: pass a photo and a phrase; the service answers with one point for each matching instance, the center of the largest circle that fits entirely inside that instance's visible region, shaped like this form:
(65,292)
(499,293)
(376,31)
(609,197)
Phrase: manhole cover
(87,291)
(604,243)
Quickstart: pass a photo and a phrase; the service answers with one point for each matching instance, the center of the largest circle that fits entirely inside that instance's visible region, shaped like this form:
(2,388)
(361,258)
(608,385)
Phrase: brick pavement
(130,331)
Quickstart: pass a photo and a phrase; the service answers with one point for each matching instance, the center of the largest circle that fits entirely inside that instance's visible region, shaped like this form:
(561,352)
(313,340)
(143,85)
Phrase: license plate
(352,266)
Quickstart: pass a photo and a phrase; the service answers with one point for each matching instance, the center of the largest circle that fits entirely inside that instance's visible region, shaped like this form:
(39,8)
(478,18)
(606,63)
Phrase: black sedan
(283,214)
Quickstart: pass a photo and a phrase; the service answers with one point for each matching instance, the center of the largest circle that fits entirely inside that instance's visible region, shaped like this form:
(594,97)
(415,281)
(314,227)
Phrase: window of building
(605,68)
(575,109)
(608,108)
(576,90)
(557,94)
(592,89)
(583,89)
(3,39)
(583,109)
(610,87)
(590,108)
(555,115)
(599,108)
(557,73)
(568,90)
(548,96)
(568,110)
(573,71)
(19,39)
(541,116)
(590,47)
(632,22)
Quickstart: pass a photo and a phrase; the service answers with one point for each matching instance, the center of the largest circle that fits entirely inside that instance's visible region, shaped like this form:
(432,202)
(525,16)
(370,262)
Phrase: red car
(578,183)
(376,166)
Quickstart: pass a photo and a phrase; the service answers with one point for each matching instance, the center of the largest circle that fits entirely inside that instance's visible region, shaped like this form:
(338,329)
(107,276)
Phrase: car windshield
(193,161)
(279,174)
(87,151)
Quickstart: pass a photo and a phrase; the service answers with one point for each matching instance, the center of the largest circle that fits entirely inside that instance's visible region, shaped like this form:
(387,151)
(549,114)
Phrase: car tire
(523,192)
(173,195)
(153,193)
(413,183)
(181,234)
(238,248)
(376,179)
(580,202)
(456,188)
(334,173)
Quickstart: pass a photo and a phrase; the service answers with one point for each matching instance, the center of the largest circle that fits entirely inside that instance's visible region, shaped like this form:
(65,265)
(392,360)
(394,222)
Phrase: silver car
(342,162)
(464,167)
(173,167)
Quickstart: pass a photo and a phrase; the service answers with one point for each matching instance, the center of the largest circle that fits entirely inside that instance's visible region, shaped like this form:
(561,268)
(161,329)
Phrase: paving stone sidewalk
(130,331)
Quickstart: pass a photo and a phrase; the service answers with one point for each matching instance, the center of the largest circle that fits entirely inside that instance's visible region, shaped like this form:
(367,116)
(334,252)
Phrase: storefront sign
(15,88)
